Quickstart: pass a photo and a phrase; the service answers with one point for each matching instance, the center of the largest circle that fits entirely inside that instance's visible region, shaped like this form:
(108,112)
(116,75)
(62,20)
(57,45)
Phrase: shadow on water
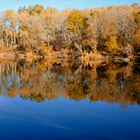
(114,82)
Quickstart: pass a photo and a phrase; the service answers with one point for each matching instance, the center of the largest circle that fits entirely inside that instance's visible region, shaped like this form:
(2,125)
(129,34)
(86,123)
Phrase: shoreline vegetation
(36,32)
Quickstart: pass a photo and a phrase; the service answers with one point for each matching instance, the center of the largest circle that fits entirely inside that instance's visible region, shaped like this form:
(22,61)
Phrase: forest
(106,32)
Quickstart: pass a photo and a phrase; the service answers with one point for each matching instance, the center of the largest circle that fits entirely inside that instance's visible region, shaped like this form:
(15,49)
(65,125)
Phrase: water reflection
(114,82)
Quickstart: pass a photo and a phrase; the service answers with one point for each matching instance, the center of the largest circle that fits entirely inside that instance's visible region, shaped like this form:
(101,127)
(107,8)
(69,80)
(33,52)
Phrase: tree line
(113,30)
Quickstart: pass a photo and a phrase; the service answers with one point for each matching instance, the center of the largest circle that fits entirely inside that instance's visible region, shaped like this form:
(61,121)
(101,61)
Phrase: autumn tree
(109,28)
(126,25)
(137,32)
(112,45)
(75,21)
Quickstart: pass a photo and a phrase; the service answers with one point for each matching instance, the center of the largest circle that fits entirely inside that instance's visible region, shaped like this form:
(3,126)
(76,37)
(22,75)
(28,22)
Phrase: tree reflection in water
(97,81)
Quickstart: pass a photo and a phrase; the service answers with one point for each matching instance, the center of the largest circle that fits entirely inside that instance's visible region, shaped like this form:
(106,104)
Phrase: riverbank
(28,55)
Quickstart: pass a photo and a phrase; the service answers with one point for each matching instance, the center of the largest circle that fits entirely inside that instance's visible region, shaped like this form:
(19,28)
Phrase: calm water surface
(70,100)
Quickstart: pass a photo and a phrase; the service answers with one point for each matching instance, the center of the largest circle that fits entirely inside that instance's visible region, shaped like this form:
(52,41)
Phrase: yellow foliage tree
(137,37)
(112,44)
(75,21)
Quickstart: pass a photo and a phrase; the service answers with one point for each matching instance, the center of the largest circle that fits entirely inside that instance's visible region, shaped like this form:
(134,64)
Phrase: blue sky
(62,4)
